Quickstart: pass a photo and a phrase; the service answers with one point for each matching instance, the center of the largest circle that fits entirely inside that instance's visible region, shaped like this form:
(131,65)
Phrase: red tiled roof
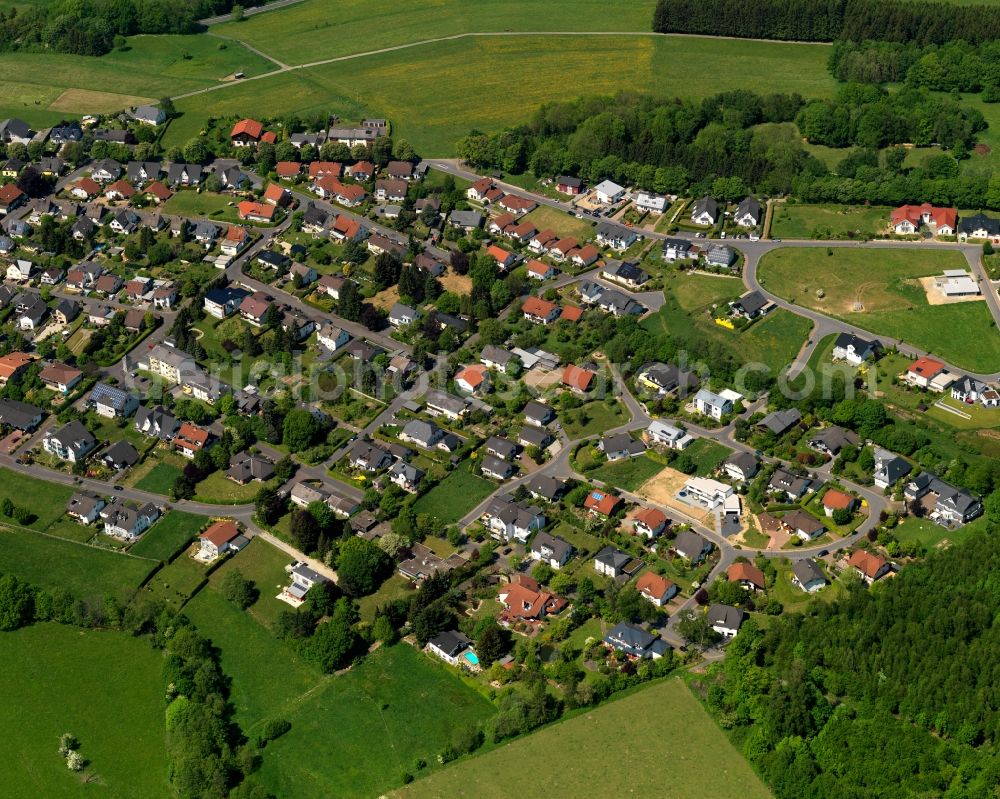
(914,214)
(498,252)
(122,187)
(651,517)
(9,193)
(538,268)
(89,185)
(318,169)
(473,374)
(867,563)
(577,377)
(193,435)
(275,194)
(269,137)
(12,363)
(287,169)
(602,502)
(746,572)
(837,500)
(249,209)
(220,532)
(247,127)
(536,306)
(925,367)
(571,313)
(158,190)
(653,585)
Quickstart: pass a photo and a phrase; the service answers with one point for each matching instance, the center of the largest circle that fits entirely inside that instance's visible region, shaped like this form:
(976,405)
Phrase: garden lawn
(217,489)
(404,85)
(265,564)
(627,473)
(707,454)
(927,534)
(103,687)
(370,724)
(570,758)
(592,418)
(249,655)
(160,479)
(799,221)
(455,496)
(169,535)
(178,581)
(395,587)
(884,282)
(46,501)
(82,570)
(190,202)
(545,217)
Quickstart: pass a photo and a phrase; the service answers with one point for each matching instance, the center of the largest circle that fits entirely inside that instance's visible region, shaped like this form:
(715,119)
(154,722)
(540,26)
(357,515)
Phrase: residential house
(780,422)
(400,315)
(539,311)
(223,302)
(543,486)
(720,255)
(656,589)
(908,219)
(21,270)
(617,237)
(979,226)
(749,213)
(569,185)
(523,600)
(854,350)
(473,378)
(235,241)
(538,413)
(750,306)
(635,643)
(105,171)
(725,619)
(747,576)
(332,337)
(651,203)
(303,579)
(667,435)
(691,546)
(126,522)
(870,567)
(149,115)
(31,312)
(406,476)
(613,562)
(705,211)
(791,486)
(664,378)
(67,310)
(541,271)
(505,260)
(831,440)
(72,442)
(112,402)
(501,448)
(677,249)
(834,500)
(120,455)
(968,389)
(184,174)
(494,357)
(19,415)
(246,133)
(509,520)
(497,468)
(13,365)
(85,507)
(255,212)
(807,575)
(578,379)
(59,377)
(741,466)
(219,538)
(391,190)
(711,404)
(619,446)
(625,272)
(804,525)
(889,468)
(156,421)
(602,503)
(608,192)
(449,645)
(367,456)
(550,549)
(191,439)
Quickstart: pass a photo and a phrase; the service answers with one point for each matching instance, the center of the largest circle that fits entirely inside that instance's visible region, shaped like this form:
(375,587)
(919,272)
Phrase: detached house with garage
(705,211)
(72,442)
(909,219)
(550,549)
(854,350)
(656,589)
(748,213)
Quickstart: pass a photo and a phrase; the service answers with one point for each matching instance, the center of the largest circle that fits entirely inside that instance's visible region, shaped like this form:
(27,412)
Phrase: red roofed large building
(246,133)
(908,219)
(321,169)
(539,311)
(578,378)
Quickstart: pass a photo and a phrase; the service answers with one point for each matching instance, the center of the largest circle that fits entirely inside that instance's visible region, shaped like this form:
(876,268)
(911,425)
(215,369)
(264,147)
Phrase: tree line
(830,20)
(954,66)
(888,692)
(95,27)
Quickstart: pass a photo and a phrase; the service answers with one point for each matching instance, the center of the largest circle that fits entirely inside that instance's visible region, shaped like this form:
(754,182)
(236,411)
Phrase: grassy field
(592,418)
(454,496)
(688,310)
(308,31)
(628,473)
(160,479)
(405,85)
(265,564)
(55,563)
(571,758)
(104,688)
(49,86)
(249,654)
(930,535)
(168,535)
(370,725)
(795,221)
(46,501)
(177,582)
(192,203)
(707,455)
(545,217)
(217,489)
(884,282)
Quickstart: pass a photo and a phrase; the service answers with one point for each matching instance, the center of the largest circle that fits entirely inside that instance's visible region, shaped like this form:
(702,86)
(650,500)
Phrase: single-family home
(245,468)
(497,468)
(617,237)
(651,203)
(804,525)
(219,538)
(223,302)
(406,476)
(619,446)
(656,589)
(608,192)
(120,455)
(626,273)
(869,567)
(668,435)
(780,422)
(112,402)
(834,500)
(19,415)
(127,522)
(750,306)
(854,350)
(725,619)
(791,486)
(72,442)
(705,211)
(807,575)
(691,546)
(613,563)
(85,507)
(539,311)
(246,133)
(890,468)
(908,219)
(603,503)
(566,184)
(60,377)
(368,456)
(538,413)
(190,439)
(550,549)
(831,440)
(635,643)
(156,421)
(747,576)
(450,645)
(711,404)
(577,378)
(473,378)
(749,213)
(441,403)
(979,226)
(649,521)
(741,466)
(676,249)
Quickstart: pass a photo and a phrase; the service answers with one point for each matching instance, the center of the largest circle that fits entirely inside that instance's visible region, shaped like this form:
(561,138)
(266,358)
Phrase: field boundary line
(7,527)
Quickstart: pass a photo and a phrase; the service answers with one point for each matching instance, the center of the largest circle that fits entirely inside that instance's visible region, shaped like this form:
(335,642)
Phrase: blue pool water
(471,657)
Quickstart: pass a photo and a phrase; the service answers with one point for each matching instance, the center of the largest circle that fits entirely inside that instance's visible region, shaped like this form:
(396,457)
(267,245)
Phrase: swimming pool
(472,658)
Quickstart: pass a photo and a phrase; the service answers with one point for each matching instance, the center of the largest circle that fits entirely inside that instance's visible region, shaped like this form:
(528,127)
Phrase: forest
(740,141)
(94,27)
(891,691)
(955,66)
(915,21)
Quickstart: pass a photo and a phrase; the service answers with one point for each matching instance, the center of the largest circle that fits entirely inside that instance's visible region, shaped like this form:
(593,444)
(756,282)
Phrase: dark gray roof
(538,410)
(706,204)
(121,453)
(546,486)
(451,642)
(745,461)
(630,639)
(612,557)
(691,545)
(725,616)
(559,547)
(751,303)
(806,571)
(834,438)
(780,421)
(971,224)
(18,414)
(749,206)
